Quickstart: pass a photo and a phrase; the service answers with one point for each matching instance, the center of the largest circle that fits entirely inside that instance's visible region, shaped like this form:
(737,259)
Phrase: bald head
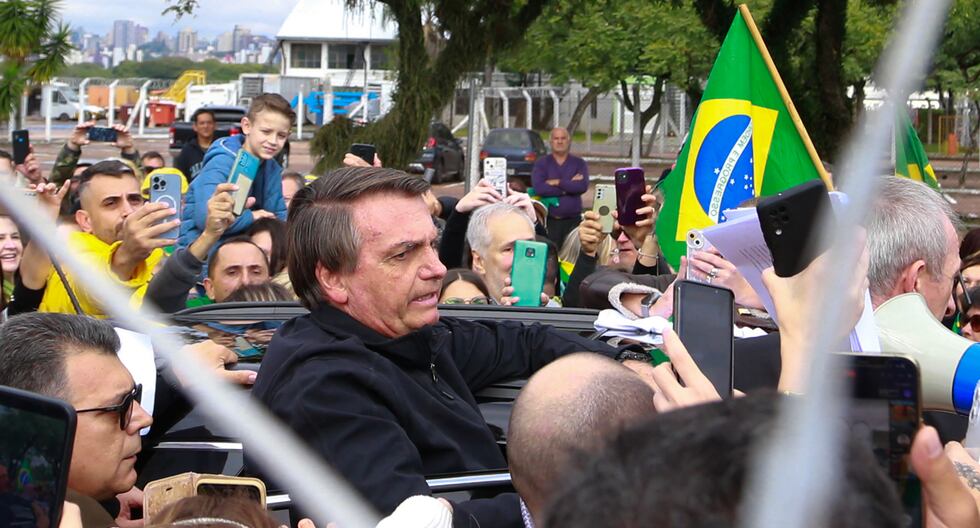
(573,404)
(560,141)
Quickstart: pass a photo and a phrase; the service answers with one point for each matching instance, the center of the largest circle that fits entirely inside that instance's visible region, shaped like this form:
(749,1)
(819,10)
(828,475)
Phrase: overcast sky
(263,17)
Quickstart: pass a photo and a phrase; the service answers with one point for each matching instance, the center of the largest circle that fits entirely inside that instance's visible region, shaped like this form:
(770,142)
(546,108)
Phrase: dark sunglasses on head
(473,300)
(125,408)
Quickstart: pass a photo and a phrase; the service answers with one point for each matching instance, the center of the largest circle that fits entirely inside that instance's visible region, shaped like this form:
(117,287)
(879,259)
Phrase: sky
(212,17)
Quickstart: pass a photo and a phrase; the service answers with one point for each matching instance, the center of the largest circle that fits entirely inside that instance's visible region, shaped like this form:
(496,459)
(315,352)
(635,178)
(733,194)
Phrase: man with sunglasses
(119,234)
(74,358)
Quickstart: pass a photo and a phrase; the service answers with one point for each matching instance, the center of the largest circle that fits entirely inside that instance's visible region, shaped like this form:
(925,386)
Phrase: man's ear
(246,126)
(477,263)
(83,220)
(913,277)
(332,285)
(208,287)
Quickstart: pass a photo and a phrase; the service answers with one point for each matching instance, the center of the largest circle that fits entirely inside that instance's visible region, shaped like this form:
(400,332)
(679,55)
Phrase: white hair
(478,232)
(905,225)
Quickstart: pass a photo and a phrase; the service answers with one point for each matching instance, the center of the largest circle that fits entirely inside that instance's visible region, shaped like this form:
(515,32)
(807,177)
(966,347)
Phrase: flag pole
(793,115)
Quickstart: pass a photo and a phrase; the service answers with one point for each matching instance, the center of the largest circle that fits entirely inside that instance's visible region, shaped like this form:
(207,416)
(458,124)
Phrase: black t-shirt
(24,299)
(190,160)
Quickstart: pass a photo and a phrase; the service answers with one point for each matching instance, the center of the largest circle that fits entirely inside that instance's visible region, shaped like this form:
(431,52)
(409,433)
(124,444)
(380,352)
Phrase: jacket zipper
(435,381)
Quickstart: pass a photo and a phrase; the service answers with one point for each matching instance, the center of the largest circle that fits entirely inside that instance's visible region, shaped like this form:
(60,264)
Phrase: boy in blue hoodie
(264,132)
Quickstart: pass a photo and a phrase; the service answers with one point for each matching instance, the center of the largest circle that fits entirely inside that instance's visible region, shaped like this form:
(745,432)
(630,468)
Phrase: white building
(324,39)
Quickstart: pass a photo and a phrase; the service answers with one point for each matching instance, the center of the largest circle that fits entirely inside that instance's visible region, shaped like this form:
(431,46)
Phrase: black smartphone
(630,187)
(704,318)
(789,226)
(36,436)
(886,410)
(105,134)
(22,146)
(364,151)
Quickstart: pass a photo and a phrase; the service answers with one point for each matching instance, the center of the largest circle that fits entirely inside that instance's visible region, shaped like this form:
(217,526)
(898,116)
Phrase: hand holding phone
(103,134)
(243,173)
(495,172)
(704,317)
(789,226)
(364,151)
(604,204)
(630,188)
(165,189)
(528,272)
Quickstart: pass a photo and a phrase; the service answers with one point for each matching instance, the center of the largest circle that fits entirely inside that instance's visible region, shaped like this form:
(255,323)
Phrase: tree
(470,33)
(33,48)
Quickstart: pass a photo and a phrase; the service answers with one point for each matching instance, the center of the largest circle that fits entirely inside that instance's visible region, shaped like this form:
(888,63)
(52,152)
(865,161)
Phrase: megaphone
(949,365)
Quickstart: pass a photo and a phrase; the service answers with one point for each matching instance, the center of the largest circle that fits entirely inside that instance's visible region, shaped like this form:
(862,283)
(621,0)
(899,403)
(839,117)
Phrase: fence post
(299,115)
(637,123)
(46,94)
(555,102)
(506,103)
(472,169)
(529,118)
(82,99)
(111,111)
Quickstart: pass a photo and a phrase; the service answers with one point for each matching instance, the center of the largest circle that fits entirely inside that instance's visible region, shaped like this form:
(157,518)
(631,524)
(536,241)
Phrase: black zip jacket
(388,412)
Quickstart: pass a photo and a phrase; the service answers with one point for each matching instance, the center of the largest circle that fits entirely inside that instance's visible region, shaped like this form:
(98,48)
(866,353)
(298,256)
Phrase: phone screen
(704,319)
(240,491)
(35,451)
(885,412)
(105,134)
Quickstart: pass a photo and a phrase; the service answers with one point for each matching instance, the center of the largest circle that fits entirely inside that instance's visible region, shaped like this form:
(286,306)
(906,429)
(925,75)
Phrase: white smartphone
(495,172)
(696,243)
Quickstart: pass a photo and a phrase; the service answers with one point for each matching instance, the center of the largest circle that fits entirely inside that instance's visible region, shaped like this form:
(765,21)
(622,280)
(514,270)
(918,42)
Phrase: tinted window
(345,56)
(538,143)
(304,55)
(508,139)
(228,117)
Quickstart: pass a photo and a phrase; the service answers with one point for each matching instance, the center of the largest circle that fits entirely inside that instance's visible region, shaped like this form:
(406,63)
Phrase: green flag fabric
(910,156)
(742,143)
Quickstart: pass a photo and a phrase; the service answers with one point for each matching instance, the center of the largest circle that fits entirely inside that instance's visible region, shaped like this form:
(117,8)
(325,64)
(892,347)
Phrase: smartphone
(36,436)
(159,494)
(495,172)
(696,243)
(789,226)
(105,134)
(885,410)
(704,318)
(604,203)
(22,146)
(165,189)
(243,173)
(630,187)
(364,151)
(528,271)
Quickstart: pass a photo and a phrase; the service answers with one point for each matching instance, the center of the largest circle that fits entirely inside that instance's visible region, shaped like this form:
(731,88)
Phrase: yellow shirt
(90,249)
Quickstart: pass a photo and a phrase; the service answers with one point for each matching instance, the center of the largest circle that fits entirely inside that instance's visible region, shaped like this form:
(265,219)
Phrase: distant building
(225,42)
(324,39)
(241,38)
(186,41)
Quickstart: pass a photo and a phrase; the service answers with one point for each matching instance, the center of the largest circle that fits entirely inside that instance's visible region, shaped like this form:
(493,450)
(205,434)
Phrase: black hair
(239,239)
(152,154)
(200,111)
(465,275)
(103,168)
(277,231)
(690,467)
(6,155)
(34,347)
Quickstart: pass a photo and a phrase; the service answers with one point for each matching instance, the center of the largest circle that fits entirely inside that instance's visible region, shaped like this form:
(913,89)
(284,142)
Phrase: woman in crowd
(11,251)
(462,286)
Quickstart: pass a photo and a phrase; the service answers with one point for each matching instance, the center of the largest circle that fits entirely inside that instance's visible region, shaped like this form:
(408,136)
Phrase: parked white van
(64,103)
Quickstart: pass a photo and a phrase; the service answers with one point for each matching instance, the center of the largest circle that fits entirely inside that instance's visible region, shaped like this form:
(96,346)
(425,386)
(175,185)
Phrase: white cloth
(419,511)
(613,324)
(136,354)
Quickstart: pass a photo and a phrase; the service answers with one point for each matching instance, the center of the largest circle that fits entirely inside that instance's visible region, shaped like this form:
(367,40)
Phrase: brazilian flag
(910,156)
(745,140)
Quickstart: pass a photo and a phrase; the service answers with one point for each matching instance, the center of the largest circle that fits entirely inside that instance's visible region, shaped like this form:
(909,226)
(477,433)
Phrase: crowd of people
(382,387)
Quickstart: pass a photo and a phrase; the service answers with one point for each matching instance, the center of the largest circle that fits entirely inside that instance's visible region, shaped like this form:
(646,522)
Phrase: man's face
(938,290)
(152,164)
(289,188)
(106,202)
(494,267)
(203,126)
(267,134)
(11,247)
(559,141)
(236,265)
(394,289)
(104,454)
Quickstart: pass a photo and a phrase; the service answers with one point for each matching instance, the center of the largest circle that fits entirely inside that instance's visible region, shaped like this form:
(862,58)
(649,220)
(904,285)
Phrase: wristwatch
(647,302)
(630,354)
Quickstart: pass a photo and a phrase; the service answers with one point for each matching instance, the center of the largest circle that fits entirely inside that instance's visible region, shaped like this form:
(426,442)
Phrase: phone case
(528,270)
(22,144)
(495,172)
(243,173)
(696,243)
(165,189)
(364,151)
(104,134)
(604,203)
(159,494)
(713,308)
(630,186)
(789,224)
(224,480)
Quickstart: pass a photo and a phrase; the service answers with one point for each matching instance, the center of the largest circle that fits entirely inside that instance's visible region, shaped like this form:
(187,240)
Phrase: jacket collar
(418,348)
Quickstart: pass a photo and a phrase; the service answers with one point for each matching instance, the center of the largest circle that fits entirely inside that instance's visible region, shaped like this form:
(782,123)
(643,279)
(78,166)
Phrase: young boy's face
(266,134)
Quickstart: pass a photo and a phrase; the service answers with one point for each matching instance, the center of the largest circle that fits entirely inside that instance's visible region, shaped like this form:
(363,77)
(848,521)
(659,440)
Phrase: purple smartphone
(630,186)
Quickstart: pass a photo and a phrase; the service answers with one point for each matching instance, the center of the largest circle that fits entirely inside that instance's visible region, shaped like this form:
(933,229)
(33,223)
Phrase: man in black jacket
(191,157)
(372,378)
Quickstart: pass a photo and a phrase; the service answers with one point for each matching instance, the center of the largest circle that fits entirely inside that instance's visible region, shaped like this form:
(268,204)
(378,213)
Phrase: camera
(529,252)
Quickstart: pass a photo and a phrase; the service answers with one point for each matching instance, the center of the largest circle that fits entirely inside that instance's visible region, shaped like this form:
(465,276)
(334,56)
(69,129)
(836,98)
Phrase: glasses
(125,408)
(973,323)
(473,300)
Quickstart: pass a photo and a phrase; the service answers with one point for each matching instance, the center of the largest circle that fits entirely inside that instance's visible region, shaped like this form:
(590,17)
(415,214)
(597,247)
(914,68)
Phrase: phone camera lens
(156,186)
(529,252)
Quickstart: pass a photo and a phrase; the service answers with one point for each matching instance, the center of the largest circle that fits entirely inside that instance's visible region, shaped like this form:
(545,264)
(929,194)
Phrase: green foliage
(33,47)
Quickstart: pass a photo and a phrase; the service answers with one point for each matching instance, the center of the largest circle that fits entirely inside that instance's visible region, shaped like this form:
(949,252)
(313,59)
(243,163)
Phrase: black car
(521,146)
(443,153)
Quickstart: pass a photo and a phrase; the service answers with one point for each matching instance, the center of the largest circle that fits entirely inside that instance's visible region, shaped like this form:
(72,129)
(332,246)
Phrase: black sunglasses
(125,408)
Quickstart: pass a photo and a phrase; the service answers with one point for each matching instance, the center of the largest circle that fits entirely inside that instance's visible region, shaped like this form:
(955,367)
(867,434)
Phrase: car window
(228,117)
(508,139)
(538,143)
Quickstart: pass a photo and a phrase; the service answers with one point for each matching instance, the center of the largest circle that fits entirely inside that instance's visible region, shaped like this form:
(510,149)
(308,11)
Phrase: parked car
(442,153)
(227,122)
(521,146)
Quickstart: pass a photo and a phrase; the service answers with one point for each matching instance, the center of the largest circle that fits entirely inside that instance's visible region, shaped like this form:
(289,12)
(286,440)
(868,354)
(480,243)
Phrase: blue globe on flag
(723,170)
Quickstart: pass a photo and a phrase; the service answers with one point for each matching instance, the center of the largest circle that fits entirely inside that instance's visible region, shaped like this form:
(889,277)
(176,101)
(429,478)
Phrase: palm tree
(34,44)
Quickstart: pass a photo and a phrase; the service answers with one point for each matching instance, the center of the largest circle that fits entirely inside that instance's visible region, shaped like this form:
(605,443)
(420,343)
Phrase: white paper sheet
(136,354)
